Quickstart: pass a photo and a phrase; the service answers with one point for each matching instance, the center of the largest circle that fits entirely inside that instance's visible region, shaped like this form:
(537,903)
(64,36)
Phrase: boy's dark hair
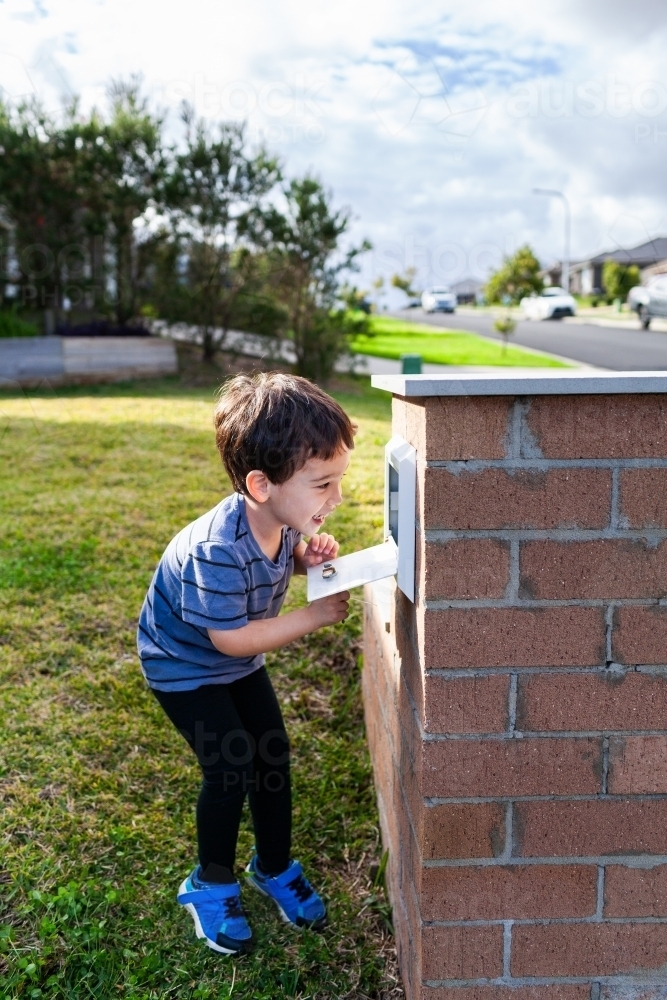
(274,423)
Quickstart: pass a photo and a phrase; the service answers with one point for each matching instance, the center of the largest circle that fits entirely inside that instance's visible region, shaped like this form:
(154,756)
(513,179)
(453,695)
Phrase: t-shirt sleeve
(213,588)
(296,537)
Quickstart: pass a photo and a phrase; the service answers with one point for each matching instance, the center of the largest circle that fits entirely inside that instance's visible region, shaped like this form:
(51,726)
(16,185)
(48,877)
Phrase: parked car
(552,303)
(438,300)
(649,301)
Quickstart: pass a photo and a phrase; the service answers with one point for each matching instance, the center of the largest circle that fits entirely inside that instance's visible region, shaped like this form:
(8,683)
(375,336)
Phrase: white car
(649,301)
(438,300)
(552,303)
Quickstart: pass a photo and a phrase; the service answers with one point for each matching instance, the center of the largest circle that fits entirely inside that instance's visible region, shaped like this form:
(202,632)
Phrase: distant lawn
(389,338)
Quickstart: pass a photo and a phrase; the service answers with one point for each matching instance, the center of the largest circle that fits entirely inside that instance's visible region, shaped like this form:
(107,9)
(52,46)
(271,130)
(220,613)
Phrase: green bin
(411,364)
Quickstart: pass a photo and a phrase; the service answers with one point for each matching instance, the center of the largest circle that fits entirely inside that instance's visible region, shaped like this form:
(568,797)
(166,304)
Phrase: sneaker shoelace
(301,887)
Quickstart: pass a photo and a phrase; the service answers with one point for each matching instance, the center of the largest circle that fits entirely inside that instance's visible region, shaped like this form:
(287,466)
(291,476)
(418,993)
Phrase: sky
(432,121)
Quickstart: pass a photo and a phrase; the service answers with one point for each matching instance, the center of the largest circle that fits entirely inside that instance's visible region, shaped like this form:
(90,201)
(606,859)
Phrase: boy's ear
(257,486)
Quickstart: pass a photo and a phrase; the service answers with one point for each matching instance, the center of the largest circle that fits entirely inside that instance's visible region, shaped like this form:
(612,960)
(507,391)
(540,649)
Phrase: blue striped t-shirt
(213,574)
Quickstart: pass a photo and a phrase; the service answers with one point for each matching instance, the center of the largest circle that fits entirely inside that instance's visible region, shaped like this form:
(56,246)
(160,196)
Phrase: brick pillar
(517,712)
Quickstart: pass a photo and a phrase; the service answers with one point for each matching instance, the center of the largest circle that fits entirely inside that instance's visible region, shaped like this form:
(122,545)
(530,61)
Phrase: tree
(306,239)
(120,166)
(516,278)
(404,282)
(173,269)
(506,327)
(41,203)
(73,191)
(355,299)
(377,284)
(214,195)
(618,279)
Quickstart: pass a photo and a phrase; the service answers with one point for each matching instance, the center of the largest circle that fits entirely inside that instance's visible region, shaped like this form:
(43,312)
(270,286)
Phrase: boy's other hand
(330,610)
(319,549)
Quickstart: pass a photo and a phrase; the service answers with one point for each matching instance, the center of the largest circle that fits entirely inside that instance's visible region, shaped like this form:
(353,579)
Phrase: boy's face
(305,500)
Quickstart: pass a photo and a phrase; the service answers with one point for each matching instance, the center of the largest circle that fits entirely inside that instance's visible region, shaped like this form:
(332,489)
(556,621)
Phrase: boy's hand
(320,549)
(330,610)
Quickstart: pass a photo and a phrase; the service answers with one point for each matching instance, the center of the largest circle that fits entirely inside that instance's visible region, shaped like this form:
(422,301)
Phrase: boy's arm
(320,548)
(271,633)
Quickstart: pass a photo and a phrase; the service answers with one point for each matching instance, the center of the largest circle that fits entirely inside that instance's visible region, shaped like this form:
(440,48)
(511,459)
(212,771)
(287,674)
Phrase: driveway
(605,347)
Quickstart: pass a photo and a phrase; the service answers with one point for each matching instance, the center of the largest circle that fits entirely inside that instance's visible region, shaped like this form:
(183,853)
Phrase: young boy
(209,617)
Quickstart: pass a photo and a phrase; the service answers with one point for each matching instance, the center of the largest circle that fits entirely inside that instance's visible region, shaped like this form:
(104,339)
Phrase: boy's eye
(323,486)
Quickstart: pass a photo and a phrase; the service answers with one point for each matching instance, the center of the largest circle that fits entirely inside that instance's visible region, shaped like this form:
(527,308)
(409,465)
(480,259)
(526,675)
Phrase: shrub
(12,326)
(618,279)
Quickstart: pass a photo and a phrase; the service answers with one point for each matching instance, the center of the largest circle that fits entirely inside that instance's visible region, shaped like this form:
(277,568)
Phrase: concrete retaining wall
(27,361)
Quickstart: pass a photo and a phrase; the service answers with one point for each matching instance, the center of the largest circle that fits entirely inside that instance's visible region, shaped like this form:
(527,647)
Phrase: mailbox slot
(399,508)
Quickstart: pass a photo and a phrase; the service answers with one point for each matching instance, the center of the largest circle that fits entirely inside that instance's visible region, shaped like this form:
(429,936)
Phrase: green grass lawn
(389,338)
(97,789)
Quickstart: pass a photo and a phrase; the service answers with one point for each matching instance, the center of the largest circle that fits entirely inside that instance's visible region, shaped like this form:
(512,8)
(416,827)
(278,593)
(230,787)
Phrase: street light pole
(565,276)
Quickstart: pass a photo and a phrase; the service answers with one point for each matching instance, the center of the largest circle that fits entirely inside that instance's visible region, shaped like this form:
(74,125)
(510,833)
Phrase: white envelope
(354,570)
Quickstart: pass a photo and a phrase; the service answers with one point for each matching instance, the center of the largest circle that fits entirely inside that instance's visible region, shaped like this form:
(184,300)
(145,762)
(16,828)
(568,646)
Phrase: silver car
(649,301)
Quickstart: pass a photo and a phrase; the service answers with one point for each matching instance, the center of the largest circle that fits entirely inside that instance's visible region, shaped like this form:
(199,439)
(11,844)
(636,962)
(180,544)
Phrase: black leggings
(238,735)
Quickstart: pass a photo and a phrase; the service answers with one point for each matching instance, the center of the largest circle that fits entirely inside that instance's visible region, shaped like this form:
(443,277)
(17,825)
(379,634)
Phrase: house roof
(642,255)
(466,286)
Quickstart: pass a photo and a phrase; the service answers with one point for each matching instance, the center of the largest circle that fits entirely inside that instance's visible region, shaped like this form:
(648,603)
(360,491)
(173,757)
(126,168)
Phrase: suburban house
(586,275)
(467,291)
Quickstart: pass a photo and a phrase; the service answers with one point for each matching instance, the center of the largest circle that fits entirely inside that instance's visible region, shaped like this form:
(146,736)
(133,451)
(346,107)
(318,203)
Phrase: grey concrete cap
(522,382)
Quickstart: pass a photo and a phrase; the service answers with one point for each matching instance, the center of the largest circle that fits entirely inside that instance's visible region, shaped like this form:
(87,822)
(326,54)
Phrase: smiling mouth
(319,518)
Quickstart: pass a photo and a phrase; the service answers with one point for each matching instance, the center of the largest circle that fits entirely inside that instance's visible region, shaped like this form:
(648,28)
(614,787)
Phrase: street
(619,349)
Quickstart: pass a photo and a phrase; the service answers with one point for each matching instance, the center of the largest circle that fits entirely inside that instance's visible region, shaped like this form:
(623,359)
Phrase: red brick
(548,766)
(640,635)
(409,420)
(635,892)
(590,570)
(514,637)
(411,666)
(621,991)
(644,497)
(588,949)
(466,569)
(407,935)
(605,700)
(388,694)
(406,626)
(466,704)
(590,828)
(499,498)
(605,426)
(462,952)
(508,892)
(463,831)
(454,428)
(638,765)
(510,993)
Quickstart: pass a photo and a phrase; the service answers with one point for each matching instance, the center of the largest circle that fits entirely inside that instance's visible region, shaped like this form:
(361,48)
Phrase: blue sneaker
(217,912)
(297,901)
